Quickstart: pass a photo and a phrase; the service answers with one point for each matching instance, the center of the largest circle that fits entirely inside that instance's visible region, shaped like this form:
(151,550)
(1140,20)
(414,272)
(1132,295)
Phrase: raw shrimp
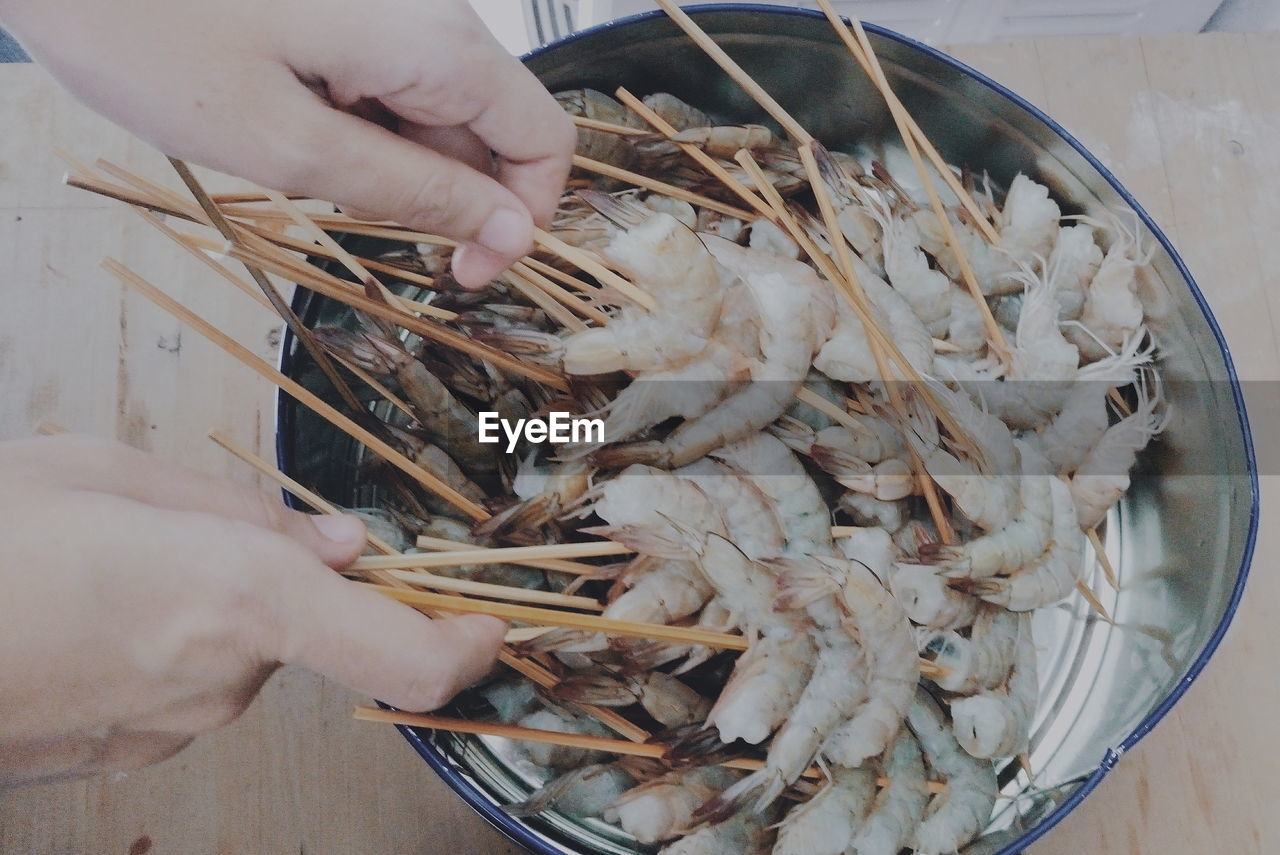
(833,693)
(1103,476)
(847,355)
(1028,220)
(582,792)
(435,408)
(956,815)
(546,492)
(665,698)
(997,722)
(867,510)
(727,140)
(744,834)
(768,237)
(766,681)
(981,661)
(752,523)
(824,824)
(990,265)
(988,500)
(847,455)
(926,290)
(795,310)
(899,807)
(1005,550)
(663,808)
(1084,419)
(676,112)
(561,756)
(1071,267)
(672,590)
(885,636)
(1112,310)
(664,258)
(927,598)
(766,462)
(1050,577)
(600,145)
(654,512)
(873,548)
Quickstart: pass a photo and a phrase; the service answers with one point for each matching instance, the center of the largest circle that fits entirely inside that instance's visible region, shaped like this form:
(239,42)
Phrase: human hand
(142,603)
(390,107)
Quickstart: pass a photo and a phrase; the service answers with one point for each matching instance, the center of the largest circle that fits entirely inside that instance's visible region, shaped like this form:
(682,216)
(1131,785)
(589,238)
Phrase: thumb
(359,637)
(359,164)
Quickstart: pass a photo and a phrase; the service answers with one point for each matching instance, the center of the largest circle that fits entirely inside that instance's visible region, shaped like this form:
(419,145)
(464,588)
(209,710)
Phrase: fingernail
(339,529)
(506,232)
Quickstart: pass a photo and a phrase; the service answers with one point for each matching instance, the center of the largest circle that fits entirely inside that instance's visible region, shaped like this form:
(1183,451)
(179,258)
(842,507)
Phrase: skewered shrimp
(1022,540)
(997,722)
(899,807)
(824,824)
(1078,428)
(1112,310)
(928,291)
(582,792)
(766,681)
(561,756)
(599,145)
(434,406)
(654,512)
(795,310)
(727,140)
(956,815)
(767,463)
(673,589)
(927,598)
(669,701)
(663,808)
(885,636)
(752,523)
(1071,267)
(545,493)
(988,500)
(744,834)
(676,112)
(1028,220)
(866,510)
(981,661)
(1103,476)
(1050,577)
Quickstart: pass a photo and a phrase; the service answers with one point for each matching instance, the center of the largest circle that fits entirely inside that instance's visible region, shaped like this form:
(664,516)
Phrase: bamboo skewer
(532,670)
(571,620)
(994,333)
(822,405)
(653,751)
(913,128)
(371,285)
(558,565)
(1092,599)
(670,190)
(608,127)
(587,263)
(699,156)
(497,592)
(495,555)
(582,307)
(1100,550)
(182,241)
(880,345)
(556,309)
(295,390)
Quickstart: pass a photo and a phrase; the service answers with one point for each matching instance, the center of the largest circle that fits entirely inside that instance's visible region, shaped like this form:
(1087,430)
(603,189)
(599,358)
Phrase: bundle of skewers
(862,415)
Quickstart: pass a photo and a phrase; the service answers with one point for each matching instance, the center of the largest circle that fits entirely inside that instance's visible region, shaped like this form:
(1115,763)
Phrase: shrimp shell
(899,806)
(824,824)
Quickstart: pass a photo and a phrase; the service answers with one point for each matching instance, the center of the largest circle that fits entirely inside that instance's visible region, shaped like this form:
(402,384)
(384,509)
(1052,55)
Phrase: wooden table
(1189,123)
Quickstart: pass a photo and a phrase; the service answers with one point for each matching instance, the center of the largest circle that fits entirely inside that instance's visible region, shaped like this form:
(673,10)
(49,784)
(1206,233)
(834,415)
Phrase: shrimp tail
(643,540)
(626,214)
(522,516)
(764,785)
(598,689)
(800,583)
(691,744)
(622,456)
(534,344)
(561,639)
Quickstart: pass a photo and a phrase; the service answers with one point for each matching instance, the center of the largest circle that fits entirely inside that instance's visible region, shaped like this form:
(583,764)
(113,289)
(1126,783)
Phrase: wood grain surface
(1189,123)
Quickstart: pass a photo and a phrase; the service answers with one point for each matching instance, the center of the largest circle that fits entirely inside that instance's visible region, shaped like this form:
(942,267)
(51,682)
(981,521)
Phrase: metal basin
(1182,538)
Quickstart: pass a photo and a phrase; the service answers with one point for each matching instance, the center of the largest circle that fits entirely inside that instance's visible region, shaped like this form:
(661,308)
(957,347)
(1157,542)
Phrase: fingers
(90,464)
(353,162)
(363,639)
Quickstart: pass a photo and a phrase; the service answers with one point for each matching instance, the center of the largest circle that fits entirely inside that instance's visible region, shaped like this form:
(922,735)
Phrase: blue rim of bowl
(521,833)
